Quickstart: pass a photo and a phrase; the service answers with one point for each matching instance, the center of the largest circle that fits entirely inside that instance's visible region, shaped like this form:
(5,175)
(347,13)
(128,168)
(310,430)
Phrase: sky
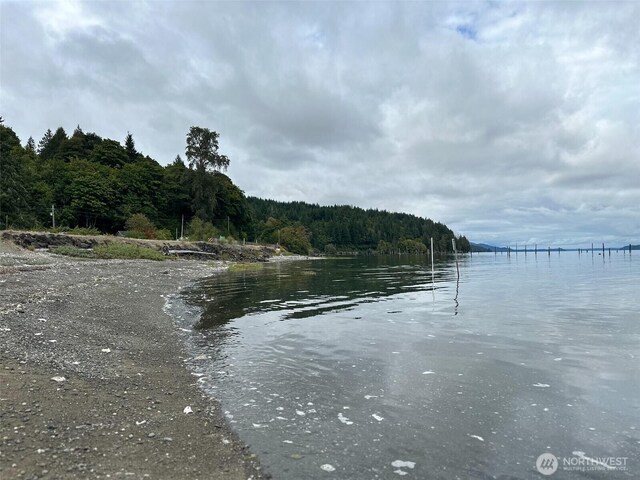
(508,122)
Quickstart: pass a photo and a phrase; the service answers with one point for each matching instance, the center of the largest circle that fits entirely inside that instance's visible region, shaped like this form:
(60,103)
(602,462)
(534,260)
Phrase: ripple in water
(376,370)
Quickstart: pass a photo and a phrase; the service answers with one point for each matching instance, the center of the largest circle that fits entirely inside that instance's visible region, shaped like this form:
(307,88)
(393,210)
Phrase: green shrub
(295,240)
(139,226)
(135,234)
(164,234)
(198,230)
(330,249)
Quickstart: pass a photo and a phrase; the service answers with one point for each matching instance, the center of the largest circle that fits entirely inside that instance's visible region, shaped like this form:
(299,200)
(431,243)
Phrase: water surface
(372,368)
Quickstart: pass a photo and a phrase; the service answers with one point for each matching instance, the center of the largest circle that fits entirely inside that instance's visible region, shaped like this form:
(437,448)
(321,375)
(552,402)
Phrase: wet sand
(119,411)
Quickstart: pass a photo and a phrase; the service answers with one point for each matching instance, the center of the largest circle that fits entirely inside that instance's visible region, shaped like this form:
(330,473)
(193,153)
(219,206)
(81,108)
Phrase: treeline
(345,228)
(98,183)
(101,185)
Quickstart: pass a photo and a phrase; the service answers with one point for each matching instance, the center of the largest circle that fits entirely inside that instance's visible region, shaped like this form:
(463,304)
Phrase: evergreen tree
(73,147)
(31,145)
(130,147)
(44,142)
(13,194)
(53,145)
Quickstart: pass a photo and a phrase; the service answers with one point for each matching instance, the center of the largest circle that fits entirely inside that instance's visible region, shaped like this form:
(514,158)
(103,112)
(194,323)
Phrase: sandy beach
(93,381)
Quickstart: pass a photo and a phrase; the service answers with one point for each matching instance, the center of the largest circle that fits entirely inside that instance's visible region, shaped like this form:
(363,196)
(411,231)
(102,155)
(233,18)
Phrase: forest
(89,184)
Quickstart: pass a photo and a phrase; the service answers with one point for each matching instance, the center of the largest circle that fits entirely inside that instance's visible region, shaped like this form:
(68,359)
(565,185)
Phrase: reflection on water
(305,289)
(370,366)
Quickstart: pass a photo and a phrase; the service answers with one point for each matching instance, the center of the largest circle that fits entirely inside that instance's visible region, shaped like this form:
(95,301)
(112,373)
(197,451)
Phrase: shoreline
(119,409)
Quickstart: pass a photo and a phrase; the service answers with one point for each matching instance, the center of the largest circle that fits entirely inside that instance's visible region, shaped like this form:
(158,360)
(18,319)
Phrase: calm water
(370,368)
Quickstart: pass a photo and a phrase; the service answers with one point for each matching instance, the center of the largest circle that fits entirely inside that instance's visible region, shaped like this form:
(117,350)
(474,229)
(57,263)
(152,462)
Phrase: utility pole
(53,215)
(227,225)
(182,228)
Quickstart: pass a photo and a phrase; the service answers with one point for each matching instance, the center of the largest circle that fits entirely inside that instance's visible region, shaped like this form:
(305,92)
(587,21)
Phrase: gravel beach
(93,382)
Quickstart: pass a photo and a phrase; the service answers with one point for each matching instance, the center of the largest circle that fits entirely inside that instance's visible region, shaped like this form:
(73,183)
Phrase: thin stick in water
(455,255)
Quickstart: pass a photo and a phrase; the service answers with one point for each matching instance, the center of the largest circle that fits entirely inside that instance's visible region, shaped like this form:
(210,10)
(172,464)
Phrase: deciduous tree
(204,158)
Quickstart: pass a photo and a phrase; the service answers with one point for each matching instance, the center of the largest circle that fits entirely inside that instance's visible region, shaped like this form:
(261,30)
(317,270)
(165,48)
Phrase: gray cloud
(510,122)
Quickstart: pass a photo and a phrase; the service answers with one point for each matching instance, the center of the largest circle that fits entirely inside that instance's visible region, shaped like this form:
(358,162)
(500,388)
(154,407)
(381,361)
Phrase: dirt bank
(92,375)
(213,250)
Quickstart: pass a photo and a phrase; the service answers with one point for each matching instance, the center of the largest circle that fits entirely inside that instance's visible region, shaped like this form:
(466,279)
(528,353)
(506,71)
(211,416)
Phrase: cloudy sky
(509,122)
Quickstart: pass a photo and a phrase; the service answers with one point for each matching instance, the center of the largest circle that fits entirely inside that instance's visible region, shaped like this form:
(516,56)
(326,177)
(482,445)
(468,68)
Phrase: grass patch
(245,267)
(84,231)
(70,251)
(127,251)
(111,251)
(75,231)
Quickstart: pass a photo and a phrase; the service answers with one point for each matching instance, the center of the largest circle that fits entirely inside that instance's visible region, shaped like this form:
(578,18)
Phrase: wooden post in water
(432,258)
(603,249)
(525,249)
(536,250)
(629,249)
(592,249)
(549,250)
(455,254)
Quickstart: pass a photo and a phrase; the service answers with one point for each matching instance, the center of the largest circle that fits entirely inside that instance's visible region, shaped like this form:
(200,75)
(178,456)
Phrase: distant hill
(480,247)
(626,247)
(483,247)
(344,228)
